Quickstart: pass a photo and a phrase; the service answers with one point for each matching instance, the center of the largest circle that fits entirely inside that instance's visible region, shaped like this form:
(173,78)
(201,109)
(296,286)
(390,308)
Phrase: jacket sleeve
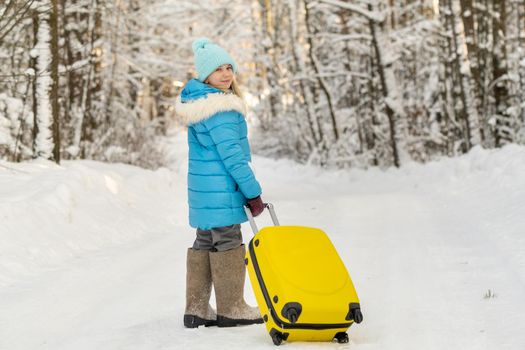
(224,131)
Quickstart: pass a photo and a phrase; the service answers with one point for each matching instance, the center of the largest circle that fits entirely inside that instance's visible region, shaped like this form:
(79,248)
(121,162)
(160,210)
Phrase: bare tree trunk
(88,122)
(350,99)
(483,61)
(371,123)
(448,97)
(301,69)
(468,16)
(463,108)
(504,132)
(70,75)
(34,87)
(345,30)
(520,18)
(315,66)
(268,72)
(384,87)
(53,23)
(392,6)
(17,156)
(446,117)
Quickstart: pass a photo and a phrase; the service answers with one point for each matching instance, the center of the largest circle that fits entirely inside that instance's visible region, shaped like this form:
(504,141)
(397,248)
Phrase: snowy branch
(370,15)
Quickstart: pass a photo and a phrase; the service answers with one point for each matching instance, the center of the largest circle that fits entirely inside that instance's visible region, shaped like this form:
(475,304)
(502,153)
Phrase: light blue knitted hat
(208,56)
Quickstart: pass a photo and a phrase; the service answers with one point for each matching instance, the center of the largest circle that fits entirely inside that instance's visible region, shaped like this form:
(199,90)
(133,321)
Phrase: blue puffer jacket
(219,176)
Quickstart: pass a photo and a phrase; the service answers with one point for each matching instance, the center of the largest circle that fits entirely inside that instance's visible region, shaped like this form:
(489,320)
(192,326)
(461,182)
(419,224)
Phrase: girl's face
(221,78)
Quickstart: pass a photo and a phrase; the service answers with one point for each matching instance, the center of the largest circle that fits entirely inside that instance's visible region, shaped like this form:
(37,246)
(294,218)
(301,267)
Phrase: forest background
(329,82)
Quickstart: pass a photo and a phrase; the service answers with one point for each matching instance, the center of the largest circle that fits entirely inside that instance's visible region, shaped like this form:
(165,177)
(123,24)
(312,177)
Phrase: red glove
(255,205)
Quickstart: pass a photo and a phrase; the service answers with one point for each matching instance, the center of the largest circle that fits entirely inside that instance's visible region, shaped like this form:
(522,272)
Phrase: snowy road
(424,246)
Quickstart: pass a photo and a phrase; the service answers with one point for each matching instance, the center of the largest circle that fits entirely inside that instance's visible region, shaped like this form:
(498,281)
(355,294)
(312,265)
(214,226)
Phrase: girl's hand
(255,205)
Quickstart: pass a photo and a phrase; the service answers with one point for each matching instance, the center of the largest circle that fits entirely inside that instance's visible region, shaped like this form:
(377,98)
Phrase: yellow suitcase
(302,287)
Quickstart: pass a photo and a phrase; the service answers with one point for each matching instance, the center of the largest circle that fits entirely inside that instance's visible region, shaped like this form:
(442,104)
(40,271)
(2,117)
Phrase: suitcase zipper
(273,313)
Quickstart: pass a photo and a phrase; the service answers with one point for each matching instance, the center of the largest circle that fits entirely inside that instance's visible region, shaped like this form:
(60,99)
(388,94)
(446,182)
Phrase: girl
(220,183)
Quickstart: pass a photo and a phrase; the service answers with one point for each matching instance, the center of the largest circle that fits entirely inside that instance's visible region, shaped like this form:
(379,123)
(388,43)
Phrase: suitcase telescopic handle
(270,208)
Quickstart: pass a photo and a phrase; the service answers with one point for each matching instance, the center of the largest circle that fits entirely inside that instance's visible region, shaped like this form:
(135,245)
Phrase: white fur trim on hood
(196,110)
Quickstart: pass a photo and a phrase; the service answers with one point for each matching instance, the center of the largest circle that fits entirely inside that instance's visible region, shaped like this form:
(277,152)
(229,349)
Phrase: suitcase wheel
(341,337)
(358,316)
(354,313)
(278,337)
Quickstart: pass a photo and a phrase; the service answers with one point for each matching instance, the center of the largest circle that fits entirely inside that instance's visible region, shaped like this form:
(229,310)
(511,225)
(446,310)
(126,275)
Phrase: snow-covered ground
(92,255)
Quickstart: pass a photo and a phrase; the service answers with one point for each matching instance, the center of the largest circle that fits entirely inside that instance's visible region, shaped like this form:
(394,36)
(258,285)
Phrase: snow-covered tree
(43,143)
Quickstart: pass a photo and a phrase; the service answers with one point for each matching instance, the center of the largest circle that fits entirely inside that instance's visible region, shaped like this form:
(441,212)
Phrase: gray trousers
(218,239)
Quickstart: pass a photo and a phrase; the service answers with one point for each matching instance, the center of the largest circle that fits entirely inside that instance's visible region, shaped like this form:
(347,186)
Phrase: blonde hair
(236,89)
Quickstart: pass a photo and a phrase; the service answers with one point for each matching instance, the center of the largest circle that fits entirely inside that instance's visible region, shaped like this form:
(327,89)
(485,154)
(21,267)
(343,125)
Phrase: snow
(10,110)
(92,255)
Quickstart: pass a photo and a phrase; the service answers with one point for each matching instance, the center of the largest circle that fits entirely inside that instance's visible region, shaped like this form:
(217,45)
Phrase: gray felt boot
(228,273)
(198,290)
